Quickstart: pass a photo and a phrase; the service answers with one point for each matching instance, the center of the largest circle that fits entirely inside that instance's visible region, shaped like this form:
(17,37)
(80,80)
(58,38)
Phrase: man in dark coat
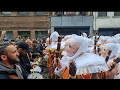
(23,50)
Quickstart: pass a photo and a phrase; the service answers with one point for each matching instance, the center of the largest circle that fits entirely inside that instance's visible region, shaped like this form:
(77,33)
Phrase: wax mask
(71,47)
(104,51)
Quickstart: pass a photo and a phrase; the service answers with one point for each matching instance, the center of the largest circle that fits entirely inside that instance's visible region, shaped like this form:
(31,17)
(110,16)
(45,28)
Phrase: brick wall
(31,23)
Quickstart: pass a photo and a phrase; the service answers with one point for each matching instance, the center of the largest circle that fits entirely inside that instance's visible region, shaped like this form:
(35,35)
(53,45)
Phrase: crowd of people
(68,57)
(18,57)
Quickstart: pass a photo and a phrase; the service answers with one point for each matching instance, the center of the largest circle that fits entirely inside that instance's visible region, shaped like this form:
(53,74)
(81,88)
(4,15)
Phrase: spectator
(37,48)
(23,50)
(9,63)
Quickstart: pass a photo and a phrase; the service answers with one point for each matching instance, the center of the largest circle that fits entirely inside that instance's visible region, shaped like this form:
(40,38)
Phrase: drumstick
(34,72)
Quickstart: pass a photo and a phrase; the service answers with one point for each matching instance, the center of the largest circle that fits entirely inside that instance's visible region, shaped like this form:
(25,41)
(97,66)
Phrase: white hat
(82,42)
(54,36)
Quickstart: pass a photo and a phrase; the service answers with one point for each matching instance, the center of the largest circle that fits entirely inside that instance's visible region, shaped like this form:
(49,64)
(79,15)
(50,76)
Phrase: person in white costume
(111,40)
(84,35)
(51,50)
(86,63)
(118,43)
(90,45)
(54,40)
(53,43)
(114,50)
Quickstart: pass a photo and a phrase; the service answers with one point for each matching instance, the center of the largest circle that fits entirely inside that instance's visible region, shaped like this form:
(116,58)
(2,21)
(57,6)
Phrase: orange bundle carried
(65,73)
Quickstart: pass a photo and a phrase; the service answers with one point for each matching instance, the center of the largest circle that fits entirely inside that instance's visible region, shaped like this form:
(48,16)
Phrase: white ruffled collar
(87,63)
(88,59)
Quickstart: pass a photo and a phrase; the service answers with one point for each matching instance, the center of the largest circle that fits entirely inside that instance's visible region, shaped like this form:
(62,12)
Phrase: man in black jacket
(24,57)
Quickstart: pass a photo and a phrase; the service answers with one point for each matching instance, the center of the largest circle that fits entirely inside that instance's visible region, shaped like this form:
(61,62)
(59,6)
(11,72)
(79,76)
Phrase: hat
(23,45)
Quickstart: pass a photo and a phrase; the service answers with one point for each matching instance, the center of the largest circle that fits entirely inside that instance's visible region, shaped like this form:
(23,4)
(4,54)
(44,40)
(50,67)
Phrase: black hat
(23,45)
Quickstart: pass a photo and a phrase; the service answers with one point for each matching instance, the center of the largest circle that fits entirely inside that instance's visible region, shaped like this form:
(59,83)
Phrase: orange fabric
(87,76)
(65,74)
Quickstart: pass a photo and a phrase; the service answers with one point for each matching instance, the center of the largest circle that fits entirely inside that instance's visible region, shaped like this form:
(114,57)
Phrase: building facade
(66,23)
(107,23)
(26,24)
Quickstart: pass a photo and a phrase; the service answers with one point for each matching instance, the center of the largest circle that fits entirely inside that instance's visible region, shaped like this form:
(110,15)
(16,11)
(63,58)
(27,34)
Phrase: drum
(35,73)
(35,76)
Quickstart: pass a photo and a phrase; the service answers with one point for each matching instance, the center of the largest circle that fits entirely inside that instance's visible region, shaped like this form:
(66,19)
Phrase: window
(116,13)
(23,13)
(89,13)
(70,13)
(102,14)
(59,13)
(41,13)
(5,13)
(83,13)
